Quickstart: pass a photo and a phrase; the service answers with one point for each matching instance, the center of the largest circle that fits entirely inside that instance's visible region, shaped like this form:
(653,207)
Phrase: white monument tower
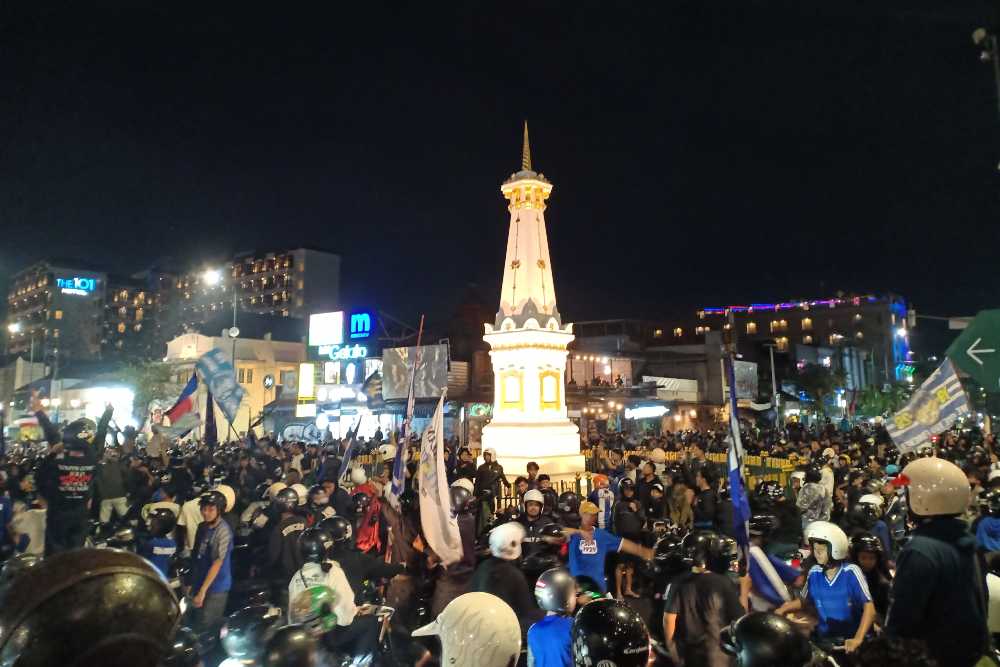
(528,342)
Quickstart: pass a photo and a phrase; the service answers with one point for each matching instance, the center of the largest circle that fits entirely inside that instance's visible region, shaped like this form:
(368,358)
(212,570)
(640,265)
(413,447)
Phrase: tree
(151,381)
(878,402)
(820,383)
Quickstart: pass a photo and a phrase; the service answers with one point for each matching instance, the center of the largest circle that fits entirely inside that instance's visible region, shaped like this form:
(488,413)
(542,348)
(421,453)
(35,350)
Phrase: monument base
(555,447)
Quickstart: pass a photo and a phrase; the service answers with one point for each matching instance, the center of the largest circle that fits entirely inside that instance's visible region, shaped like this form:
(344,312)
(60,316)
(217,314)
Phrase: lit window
(249,376)
(137,327)
(859,336)
(807,340)
(138,314)
(781,343)
(835,338)
(302,284)
(751,327)
(658,333)
(857,317)
(58,314)
(55,333)
(240,376)
(807,324)
(678,332)
(121,327)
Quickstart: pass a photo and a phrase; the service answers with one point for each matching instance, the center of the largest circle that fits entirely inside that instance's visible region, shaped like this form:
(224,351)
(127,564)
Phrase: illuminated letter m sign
(361,325)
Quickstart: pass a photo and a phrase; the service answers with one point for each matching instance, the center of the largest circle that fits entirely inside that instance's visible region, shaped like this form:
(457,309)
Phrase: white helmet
(534,496)
(505,541)
(658,455)
(799,475)
(492,452)
(387,452)
(272,490)
(476,629)
(872,499)
(302,491)
(936,487)
(832,534)
(230,495)
(358,476)
(993,475)
(465,483)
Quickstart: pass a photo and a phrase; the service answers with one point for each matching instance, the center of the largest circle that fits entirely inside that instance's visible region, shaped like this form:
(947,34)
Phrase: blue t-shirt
(988,533)
(839,603)
(550,641)
(6,511)
(159,551)
(762,584)
(586,557)
(211,544)
(881,531)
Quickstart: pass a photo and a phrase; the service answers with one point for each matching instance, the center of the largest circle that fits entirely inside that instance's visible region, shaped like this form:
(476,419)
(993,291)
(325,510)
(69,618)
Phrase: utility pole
(776,399)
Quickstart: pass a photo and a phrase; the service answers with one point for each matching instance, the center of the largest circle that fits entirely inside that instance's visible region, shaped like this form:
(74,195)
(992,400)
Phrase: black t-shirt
(705,604)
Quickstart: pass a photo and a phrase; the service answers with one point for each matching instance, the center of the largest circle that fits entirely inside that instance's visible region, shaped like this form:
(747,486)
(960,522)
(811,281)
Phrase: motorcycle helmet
(607,632)
(358,476)
(865,515)
(161,522)
(213,498)
(814,473)
(668,556)
(534,496)
(387,452)
(338,528)
(286,500)
(505,540)
(120,609)
(81,430)
(465,483)
(568,503)
(461,500)
(709,550)
(292,646)
(229,494)
(14,567)
(555,590)
(247,631)
(626,483)
(989,502)
(769,491)
(762,639)
(763,524)
(314,544)
(302,491)
(476,629)
(360,502)
(272,490)
(833,536)
(935,487)
(317,496)
(865,542)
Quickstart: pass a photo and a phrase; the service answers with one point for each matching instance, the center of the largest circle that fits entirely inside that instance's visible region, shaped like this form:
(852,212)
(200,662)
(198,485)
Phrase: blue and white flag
(352,437)
(737,489)
(436,518)
(398,464)
(217,372)
(932,409)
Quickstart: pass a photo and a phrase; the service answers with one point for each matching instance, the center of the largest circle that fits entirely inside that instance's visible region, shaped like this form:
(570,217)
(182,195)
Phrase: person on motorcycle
(318,505)
(283,545)
(769,575)
(703,602)
(161,547)
(535,546)
(359,567)
(550,639)
(762,639)
(836,589)
(568,509)
(770,498)
(607,632)
(867,553)
(476,629)
(500,574)
(938,592)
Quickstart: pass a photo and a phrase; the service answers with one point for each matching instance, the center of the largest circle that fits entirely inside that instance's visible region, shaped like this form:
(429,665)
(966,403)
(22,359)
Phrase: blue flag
(932,409)
(737,490)
(346,461)
(218,373)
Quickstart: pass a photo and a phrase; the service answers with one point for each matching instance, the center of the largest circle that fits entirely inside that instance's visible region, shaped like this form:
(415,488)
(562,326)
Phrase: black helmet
(552,530)
(338,528)
(761,639)
(213,498)
(626,483)
(769,491)
(865,515)
(763,524)
(555,590)
(286,500)
(668,556)
(360,503)
(82,429)
(709,550)
(291,646)
(461,500)
(814,472)
(990,502)
(14,567)
(184,650)
(609,632)
(161,522)
(314,544)
(569,502)
(865,542)
(317,496)
(409,501)
(119,606)
(260,493)
(248,630)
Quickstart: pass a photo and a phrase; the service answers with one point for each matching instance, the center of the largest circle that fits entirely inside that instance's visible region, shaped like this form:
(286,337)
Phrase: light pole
(774,385)
(16,328)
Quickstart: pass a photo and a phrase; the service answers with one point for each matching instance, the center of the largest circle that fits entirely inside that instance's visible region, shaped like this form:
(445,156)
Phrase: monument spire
(526,151)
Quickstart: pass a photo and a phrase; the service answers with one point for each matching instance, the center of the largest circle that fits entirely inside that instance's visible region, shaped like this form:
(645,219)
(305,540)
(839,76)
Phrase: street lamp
(212,277)
(14,327)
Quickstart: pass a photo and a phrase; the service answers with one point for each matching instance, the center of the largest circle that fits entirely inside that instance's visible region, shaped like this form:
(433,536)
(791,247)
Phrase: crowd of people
(285,553)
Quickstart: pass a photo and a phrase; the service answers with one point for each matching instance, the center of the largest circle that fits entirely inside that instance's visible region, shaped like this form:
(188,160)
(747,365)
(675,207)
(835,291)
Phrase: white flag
(439,524)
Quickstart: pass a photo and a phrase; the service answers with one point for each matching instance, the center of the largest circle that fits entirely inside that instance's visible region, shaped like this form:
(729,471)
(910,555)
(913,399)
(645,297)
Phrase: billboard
(431,376)
(326,329)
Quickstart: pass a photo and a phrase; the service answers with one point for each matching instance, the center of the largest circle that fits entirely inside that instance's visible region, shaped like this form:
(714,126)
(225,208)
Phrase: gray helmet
(555,590)
(120,609)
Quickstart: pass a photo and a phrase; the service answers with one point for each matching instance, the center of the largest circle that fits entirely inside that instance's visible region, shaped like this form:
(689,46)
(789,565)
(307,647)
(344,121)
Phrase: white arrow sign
(973,352)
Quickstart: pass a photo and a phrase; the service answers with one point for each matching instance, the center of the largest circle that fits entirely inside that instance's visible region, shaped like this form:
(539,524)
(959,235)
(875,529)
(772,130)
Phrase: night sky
(703,153)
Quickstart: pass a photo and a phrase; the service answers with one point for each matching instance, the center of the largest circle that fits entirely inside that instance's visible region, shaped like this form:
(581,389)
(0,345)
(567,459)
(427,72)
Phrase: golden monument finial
(526,151)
